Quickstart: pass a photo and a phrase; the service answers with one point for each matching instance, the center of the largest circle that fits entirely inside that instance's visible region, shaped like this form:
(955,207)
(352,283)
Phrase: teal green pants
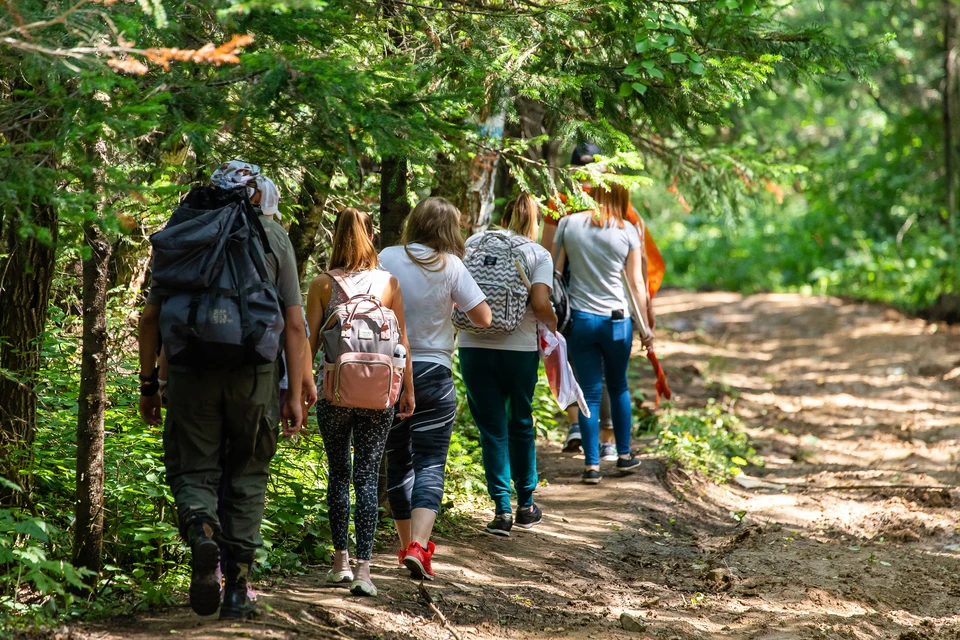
(500,386)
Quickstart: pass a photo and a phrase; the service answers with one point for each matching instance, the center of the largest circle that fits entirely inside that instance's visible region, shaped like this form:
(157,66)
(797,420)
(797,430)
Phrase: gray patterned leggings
(367,429)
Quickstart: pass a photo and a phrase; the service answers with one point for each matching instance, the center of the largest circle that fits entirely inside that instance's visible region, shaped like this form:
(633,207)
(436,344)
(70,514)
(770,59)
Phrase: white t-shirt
(525,337)
(428,299)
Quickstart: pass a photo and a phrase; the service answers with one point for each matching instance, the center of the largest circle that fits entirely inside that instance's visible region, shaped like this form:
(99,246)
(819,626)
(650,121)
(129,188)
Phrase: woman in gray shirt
(599,246)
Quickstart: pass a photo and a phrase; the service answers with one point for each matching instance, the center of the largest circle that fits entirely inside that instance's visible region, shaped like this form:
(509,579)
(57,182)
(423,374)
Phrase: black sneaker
(237,605)
(205,579)
(528,517)
(629,465)
(591,476)
(500,525)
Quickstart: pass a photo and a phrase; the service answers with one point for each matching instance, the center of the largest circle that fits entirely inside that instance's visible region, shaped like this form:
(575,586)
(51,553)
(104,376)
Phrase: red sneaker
(401,555)
(417,559)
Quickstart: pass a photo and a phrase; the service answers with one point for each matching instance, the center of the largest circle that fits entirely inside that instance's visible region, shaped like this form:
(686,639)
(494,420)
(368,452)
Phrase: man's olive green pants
(221,423)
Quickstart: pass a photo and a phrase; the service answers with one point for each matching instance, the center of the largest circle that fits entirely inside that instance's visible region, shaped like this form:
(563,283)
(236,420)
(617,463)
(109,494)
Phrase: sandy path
(856,409)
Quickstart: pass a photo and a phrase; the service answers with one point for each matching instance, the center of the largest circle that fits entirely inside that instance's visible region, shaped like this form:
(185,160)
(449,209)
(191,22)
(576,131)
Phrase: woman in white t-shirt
(430,271)
(500,373)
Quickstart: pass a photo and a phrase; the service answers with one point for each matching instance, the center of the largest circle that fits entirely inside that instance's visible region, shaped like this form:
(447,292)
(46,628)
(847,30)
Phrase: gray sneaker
(608,452)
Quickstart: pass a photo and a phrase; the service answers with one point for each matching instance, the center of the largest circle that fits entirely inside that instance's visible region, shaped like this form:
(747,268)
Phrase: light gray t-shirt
(596,256)
(428,299)
(524,337)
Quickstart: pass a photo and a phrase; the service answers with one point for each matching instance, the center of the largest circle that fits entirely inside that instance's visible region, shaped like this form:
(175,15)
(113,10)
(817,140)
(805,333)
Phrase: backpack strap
(343,282)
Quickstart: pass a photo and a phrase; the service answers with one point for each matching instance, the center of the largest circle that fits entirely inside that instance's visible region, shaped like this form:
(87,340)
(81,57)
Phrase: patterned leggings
(417,447)
(368,429)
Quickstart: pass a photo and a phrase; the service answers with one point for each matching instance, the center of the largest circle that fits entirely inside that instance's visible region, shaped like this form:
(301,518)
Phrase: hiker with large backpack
(500,363)
(225,300)
(355,311)
(429,267)
(599,246)
(264,199)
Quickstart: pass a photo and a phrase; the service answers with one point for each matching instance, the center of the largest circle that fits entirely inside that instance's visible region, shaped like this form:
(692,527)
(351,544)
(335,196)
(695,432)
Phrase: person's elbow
(481,316)
(294,322)
(543,309)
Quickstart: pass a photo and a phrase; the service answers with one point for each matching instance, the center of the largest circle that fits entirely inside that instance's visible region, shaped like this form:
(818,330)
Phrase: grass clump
(709,440)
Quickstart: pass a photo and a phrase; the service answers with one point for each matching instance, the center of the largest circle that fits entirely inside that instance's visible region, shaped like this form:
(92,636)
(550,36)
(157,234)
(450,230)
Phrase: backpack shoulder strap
(343,282)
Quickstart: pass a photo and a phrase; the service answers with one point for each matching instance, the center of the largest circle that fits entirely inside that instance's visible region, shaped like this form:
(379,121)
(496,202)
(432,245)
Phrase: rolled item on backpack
(638,317)
(661,386)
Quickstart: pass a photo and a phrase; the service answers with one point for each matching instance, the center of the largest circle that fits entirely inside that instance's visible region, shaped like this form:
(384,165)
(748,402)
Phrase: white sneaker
(339,577)
(608,452)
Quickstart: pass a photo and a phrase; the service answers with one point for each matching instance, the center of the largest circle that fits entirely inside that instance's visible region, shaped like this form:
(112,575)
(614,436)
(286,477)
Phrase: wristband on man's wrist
(150,385)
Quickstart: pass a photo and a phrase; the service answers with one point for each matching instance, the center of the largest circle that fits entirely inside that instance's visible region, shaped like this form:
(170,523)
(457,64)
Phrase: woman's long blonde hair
(434,222)
(612,205)
(522,216)
(352,248)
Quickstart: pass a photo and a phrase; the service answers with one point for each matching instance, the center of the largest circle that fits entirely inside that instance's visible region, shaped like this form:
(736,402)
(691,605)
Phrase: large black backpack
(220,308)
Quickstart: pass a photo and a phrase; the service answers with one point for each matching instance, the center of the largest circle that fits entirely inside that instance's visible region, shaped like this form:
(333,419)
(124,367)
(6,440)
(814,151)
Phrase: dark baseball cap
(584,153)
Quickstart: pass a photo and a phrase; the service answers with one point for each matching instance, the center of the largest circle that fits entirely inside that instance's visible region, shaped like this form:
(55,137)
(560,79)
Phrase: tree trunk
(394,207)
(309,219)
(26,275)
(483,172)
(88,535)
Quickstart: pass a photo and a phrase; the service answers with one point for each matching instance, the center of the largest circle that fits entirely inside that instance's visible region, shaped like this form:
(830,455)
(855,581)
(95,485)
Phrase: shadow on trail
(819,386)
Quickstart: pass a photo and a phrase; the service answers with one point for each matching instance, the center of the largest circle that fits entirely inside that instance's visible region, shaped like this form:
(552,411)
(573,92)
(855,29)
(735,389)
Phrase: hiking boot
(417,559)
(205,565)
(528,517)
(500,525)
(628,465)
(236,604)
(608,451)
(591,476)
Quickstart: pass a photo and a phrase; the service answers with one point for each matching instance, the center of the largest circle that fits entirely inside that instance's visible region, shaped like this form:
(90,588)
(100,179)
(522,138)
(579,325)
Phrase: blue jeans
(600,346)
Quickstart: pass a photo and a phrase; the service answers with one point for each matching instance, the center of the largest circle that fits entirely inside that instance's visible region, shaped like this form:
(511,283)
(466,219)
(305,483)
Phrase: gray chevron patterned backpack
(502,272)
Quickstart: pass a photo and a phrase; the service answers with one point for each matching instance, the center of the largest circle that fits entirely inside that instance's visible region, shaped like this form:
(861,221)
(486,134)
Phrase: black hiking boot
(528,517)
(237,604)
(204,562)
(500,525)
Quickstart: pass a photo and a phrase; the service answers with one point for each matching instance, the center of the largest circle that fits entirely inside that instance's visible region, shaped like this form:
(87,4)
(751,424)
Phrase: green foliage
(868,219)
(29,550)
(709,440)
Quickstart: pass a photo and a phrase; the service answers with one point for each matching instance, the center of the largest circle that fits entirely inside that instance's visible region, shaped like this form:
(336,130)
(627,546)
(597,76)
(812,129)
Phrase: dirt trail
(854,408)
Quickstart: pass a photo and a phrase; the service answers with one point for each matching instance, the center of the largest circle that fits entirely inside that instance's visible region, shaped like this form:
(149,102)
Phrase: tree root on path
(428,600)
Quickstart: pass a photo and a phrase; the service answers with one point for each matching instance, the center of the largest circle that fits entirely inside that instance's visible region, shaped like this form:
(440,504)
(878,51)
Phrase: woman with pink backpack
(429,267)
(356,309)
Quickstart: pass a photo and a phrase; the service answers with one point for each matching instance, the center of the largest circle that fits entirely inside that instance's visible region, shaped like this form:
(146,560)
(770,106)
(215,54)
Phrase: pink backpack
(360,338)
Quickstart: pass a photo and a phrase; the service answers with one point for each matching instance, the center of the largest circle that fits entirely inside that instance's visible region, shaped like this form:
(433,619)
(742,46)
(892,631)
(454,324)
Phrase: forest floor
(853,407)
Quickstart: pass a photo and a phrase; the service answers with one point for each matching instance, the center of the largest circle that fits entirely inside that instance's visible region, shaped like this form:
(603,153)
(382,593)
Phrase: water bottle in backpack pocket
(360,339)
